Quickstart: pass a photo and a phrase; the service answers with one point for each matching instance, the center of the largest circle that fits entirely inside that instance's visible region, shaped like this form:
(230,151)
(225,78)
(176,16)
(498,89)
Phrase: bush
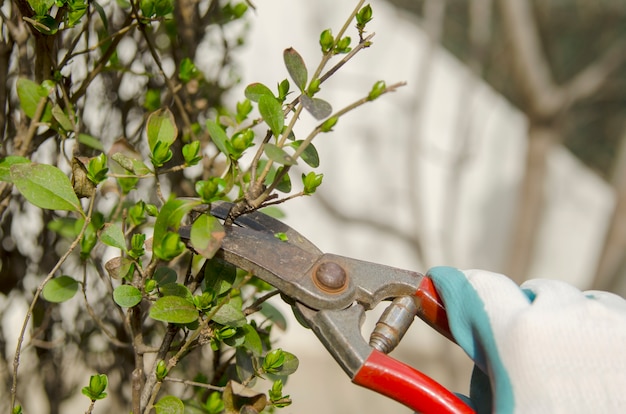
(119,137)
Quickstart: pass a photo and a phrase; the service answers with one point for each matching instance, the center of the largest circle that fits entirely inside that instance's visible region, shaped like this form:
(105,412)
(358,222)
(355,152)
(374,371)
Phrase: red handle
(408,386)
(431,309)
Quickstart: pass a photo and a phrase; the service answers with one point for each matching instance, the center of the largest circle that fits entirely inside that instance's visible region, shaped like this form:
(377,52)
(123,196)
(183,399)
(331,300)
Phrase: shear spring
(393,324)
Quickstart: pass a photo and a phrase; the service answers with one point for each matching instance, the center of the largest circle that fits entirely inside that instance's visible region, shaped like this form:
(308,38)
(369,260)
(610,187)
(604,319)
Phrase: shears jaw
(339,330)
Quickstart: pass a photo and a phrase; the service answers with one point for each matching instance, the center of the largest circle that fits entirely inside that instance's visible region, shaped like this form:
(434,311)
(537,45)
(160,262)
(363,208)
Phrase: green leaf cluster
(129,196)
(96,388)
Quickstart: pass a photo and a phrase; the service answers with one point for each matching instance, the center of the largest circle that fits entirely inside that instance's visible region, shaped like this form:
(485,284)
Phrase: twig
(20,339)
(168,82)
(195,384)
(91,405)
(95,71)
(257,202)
(328,55)
(95,318)
(32,128)
(361,45)
(152,386)
(254,306)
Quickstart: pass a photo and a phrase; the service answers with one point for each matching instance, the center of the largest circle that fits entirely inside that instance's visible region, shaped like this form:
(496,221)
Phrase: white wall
(367,174)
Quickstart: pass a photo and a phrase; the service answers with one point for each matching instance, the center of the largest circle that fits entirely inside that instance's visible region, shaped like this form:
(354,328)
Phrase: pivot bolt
(330,277)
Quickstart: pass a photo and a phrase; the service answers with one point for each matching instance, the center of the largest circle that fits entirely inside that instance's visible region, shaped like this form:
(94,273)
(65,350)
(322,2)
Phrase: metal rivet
(330,277)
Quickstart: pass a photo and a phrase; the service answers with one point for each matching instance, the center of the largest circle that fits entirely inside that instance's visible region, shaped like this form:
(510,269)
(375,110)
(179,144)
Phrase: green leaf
(7,162)
(90,141)
(278,155)
(164,275)
(283,90)
(61,118)
(118,267)
(245,364)
(131,164)
(77,8)
(272,112)
(285,183)
(97,385)
(219,276)
(219,137)
(273,314)
(255,91)
(319,108)
(377,89)
(191,153)
(176,289)
(161,127)
(328,125)
(127,296)
(229,315)
(170,217)
(29,94)
(41,7)
(327,40)
(214,404)
(273,360)
(281,365)
(169,405)
(363,17)
(97,169)
(252,340)
(206,235)
(281,236)
(243,110)
(296,67)
(168,247)
(60,289)
(174,309)
(112,235)
(45,24)
(343,45)
(311,181)
(314,87)
(204,301)
(309,155)
(45,186)
(65,226)
(152,100)
(187,70)
(102,14)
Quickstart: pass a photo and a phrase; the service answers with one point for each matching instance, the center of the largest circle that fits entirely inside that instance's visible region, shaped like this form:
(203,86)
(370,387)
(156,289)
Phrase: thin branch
(194,384)
(591,79)
(257,202)
(361,45)
(533,71)
(173,89)
(328,55)
(24,144)
(152,386)
(255,306)
(57,266)
(95,318)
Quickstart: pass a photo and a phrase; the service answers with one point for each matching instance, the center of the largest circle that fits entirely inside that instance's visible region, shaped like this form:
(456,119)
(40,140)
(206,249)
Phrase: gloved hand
(544,347)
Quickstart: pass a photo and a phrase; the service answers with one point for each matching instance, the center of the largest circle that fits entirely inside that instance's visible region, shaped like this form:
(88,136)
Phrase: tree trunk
(531,201)
(612,259)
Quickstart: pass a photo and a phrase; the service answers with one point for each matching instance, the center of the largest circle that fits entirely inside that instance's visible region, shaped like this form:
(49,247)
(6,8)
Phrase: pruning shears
(330,294)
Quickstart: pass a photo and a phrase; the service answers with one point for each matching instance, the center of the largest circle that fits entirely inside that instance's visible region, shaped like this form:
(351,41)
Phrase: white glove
(544,347)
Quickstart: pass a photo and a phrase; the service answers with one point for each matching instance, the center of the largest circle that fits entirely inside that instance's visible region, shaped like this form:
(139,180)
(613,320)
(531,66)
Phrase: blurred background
(505,151)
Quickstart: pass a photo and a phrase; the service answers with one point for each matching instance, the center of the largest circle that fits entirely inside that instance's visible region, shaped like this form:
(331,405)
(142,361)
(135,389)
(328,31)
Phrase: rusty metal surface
(331,293)
(295,266)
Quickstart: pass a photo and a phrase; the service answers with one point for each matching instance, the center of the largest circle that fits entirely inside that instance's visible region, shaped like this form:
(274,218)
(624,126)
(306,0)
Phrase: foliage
(113,206)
